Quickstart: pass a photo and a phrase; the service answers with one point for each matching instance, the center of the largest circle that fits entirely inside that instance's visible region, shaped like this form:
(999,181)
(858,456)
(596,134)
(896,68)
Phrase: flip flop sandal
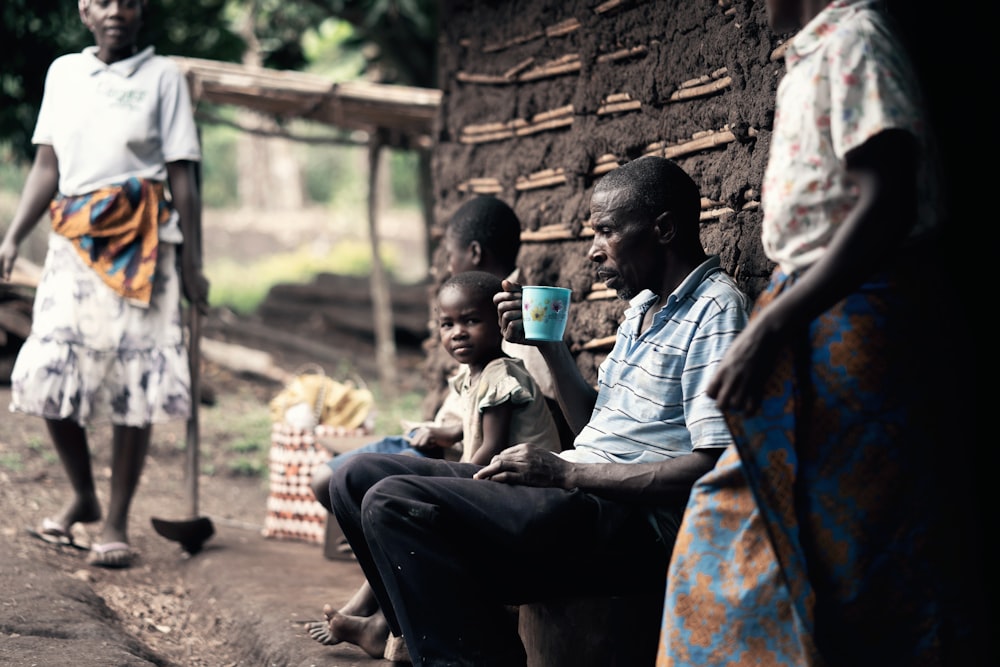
(111,555)
(51,532)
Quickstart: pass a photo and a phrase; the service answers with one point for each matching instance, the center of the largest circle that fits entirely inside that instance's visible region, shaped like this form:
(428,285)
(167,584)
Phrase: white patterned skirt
(92,356)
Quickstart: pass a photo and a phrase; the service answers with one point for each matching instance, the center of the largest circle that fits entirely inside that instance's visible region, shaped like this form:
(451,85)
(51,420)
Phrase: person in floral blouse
(822,536)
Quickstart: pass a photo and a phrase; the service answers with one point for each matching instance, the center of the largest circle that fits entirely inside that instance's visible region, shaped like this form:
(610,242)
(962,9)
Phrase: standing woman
(115,126)
(836,530)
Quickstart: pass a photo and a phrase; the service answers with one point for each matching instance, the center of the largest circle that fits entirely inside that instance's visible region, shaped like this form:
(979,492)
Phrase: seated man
(445,546)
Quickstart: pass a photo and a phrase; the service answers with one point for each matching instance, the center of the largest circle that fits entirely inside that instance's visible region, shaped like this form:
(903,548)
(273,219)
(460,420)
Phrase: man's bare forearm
(576,397)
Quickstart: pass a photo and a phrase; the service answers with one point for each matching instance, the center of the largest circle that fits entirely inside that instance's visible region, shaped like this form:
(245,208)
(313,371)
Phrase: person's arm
(576,397)
(39,189)
(667,481)
(436,436)
(884,170)
(496,432)
(187,201)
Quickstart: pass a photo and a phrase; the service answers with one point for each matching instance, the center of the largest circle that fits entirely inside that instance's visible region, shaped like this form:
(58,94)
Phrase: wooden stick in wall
(715,214)
(487,137)
(698,144)
(622,54)
(604,164)
(481,186)
(619,107)
(779,52)
(547,234)
(702,90)
(563,66)
(547,120)
(541,179)
(484,128)
(610,6)
(469,77)
(704,78)
(605,343)
(510,74)
(553,124)
(602,294)
(558,112)
(555,233)
(562,28)
(567,64)
(513,41)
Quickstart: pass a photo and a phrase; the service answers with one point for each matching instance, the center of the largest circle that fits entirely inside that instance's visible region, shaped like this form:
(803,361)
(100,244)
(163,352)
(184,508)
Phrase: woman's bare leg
(70,441)
(129,447)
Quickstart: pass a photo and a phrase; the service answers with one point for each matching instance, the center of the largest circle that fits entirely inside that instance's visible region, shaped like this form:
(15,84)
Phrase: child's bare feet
(370,633)
(362,603)
(321,630)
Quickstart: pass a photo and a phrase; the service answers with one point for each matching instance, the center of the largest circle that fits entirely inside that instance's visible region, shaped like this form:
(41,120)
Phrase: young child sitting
(484,234)
(501,405)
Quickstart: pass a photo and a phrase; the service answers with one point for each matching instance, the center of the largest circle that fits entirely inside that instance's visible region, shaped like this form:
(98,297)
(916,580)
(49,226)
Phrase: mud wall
(543,98)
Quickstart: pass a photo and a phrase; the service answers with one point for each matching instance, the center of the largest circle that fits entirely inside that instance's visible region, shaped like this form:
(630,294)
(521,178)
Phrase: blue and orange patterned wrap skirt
(820,538)
(115,232)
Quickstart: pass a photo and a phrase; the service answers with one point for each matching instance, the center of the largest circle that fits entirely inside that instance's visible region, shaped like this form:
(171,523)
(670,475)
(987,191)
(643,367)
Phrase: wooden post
(426,185)
(385,338)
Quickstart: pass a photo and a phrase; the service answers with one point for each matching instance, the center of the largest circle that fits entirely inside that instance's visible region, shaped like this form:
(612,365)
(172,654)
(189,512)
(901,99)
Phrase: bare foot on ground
(370,633)
(321,630)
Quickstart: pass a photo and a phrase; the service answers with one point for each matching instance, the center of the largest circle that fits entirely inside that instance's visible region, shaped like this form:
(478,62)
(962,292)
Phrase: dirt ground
(243,600)
(168,609)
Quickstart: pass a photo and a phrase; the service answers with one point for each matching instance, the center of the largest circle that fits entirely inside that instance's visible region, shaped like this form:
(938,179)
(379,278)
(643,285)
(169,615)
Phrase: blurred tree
(397,37)
(34,32)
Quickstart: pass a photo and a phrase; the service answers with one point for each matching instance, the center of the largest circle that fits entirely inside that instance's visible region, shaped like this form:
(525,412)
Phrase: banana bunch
(324,400)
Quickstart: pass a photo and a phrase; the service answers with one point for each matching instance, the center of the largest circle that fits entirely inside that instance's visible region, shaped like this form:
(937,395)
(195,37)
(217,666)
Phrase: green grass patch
(241,286)
(11,461)
(246,466)
(388,413)
(246,446)
(43,448)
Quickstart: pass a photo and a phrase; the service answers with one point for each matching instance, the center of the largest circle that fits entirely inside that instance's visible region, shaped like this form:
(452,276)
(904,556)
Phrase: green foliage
(34,32)
(332,50)
(333,174)
(219,169)
(12,170)
(241,287)
(402,32)
(246,446)
(405,177)
(249,466)
(44,449)
(278,27)
(388,413)
(11,461)
(246,428)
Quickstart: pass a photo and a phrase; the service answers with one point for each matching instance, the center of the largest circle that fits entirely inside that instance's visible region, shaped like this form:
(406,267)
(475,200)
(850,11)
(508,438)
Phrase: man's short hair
(479,284)
(492,223)
(653,185)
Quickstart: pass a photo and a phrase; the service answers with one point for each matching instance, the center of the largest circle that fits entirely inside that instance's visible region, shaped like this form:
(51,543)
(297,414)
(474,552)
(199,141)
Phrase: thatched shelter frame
(391,116)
